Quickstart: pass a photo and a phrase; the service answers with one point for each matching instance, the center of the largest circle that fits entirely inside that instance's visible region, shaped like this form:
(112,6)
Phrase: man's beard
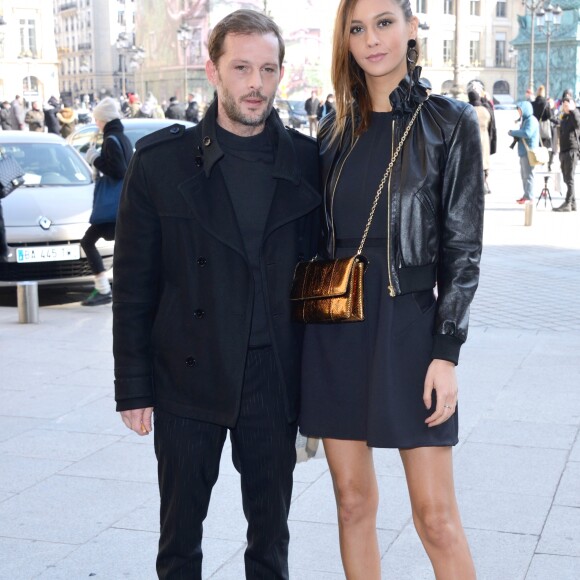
(235,114)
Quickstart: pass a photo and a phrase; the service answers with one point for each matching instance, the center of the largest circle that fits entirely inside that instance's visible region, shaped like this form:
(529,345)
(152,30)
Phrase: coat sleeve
(137,265)
(111,161)
(461,236)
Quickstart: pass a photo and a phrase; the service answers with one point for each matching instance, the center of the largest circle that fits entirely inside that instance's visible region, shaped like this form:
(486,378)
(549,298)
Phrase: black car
(292,113)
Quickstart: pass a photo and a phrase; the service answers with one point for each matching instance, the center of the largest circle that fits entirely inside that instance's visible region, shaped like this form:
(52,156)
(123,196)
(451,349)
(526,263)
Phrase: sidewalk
(78,492)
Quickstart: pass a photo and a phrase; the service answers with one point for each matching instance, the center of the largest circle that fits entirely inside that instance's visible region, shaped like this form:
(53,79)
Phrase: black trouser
(3,245)
(263,451)
(568,166)
(94,233)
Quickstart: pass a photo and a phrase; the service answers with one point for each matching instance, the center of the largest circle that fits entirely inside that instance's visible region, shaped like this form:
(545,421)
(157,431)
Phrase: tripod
(545,193)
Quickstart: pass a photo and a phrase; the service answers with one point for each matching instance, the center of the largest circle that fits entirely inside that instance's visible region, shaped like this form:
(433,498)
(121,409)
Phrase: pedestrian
(484,119)
(389,380)
(326,108)
(6,117)
(569,132)
(18,113)
(311,106)
(34,118)
(112,160)
(529,132)
(51,121)
(175,110)
(204,258)
(541,110)
(192,111)
(68,120)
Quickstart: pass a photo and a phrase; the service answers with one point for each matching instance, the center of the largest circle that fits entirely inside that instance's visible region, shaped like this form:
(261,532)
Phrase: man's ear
(211,72)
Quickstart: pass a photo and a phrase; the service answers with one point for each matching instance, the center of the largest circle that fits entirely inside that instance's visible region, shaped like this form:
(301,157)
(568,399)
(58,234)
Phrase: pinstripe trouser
(263,451)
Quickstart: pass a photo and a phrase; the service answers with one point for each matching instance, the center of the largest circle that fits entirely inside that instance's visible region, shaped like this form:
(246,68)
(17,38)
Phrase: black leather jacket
(435,203)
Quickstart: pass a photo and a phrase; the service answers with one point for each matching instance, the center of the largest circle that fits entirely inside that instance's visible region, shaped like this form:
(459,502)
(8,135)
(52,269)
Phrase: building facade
(96,47)
(28,57)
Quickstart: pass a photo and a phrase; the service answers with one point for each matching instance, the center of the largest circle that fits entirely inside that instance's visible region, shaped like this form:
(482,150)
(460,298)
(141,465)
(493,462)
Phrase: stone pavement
(78,494)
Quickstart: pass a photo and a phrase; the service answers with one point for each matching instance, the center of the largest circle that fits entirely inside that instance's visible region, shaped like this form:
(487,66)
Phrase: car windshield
(48,164)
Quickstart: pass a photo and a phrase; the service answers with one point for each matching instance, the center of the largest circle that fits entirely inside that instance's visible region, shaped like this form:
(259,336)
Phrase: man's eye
(241,67)
(270,69)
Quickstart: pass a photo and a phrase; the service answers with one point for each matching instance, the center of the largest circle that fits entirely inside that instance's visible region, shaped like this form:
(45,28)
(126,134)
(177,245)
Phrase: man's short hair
(243,22)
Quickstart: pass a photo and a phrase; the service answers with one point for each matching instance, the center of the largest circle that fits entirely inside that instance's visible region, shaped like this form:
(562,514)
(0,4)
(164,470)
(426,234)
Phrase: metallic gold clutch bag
(329,290)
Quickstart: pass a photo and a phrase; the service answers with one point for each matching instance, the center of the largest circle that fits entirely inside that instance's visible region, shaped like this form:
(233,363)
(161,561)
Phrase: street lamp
(185,37)
(532,6)
(513,54)
(126,48)
(548,22)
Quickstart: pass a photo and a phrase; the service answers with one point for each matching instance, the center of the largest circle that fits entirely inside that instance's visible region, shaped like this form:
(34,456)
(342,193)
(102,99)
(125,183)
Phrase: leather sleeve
(460,236)
(137,265)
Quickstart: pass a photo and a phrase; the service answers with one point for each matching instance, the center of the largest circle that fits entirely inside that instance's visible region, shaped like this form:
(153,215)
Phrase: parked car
(292,113)
(84,135)
(46,217)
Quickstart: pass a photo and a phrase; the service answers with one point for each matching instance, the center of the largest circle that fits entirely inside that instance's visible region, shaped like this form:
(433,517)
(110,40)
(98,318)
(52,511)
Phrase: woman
(68,120)
(112,160)
(484,119)
(389,381)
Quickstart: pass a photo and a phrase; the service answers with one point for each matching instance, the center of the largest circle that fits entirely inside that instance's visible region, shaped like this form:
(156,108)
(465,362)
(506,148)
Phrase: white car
(46,217)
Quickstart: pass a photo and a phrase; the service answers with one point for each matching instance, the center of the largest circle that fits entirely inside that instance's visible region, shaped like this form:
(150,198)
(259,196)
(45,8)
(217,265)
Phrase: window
(421,7)
(501,9)
(28,37)
(474,7)
(500,50)
(448,52)
(474,52)
(423,51)
(448,7)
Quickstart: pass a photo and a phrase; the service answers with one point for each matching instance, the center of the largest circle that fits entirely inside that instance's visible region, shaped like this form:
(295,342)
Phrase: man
(175,110)
(6,117)
(50,116)
(311,105)
(204,259)
(35,118)
(18,113)
(569,131)
(192,111)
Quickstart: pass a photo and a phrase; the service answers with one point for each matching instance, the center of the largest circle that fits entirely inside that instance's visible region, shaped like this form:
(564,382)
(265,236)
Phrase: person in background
(569,134)
(35,118)
(68,120)
(530,132)
(484,119)
(112,160)
(389,381)
(18,113)
(175,110)
(192,111)
(51,121)
(311,106)
(202,330)
(6,117)
(326,108)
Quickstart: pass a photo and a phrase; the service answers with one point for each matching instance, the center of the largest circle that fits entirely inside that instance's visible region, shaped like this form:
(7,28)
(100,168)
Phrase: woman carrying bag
(388,380)
(111,161)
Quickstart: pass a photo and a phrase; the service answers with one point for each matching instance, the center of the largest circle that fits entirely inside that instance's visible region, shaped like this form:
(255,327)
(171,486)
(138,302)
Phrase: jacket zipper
(391,288)
(334,191)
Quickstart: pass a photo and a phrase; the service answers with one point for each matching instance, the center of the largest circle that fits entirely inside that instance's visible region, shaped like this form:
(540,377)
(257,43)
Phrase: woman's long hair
(348,78)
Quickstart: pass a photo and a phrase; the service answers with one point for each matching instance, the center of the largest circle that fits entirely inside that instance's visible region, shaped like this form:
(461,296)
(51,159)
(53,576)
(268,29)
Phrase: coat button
(199,313)
(190,362)
(207,141)
(201,262)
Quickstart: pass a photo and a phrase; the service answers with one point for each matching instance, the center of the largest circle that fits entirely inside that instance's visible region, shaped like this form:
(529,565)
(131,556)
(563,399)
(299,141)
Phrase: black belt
(355,243)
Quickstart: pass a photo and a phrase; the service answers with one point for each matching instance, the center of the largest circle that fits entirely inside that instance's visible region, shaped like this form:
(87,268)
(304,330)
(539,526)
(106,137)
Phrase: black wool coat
(183,288)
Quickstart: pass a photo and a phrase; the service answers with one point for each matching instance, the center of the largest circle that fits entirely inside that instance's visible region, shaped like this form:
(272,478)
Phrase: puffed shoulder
(171,133)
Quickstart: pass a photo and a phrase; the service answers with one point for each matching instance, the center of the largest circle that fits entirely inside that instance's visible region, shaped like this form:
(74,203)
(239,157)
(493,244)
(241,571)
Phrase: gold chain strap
(384,179)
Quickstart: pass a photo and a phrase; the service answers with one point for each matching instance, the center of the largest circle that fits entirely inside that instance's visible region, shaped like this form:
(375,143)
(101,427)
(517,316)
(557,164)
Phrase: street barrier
(27,296)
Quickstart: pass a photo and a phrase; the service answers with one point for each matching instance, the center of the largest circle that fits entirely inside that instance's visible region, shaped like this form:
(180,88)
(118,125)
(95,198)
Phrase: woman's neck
(379,90)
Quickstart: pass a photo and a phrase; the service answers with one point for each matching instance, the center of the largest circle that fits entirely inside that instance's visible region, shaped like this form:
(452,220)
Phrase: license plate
(48,253)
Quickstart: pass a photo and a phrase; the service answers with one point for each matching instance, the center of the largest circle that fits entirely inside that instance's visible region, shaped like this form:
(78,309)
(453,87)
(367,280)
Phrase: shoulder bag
(332,290)
(11,175)
(538,155)
(106,196)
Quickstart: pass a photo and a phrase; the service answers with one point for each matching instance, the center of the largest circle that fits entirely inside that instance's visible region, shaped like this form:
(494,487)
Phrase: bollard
(27,295)
(528,212)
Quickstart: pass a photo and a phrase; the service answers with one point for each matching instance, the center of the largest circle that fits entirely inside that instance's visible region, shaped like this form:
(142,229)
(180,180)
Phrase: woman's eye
(385,23)
(356,29)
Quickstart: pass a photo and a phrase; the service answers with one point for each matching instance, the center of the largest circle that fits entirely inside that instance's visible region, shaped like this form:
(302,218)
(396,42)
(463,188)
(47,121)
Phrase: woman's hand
(441,378)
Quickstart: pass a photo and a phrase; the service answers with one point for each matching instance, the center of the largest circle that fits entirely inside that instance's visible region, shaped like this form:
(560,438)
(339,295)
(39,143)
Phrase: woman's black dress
(364,380)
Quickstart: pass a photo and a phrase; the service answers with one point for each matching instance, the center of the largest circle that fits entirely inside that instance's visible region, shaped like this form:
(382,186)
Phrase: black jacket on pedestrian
(435,197)
(182,305)
(112,161)
(175,111)
(569,131)
(51,121)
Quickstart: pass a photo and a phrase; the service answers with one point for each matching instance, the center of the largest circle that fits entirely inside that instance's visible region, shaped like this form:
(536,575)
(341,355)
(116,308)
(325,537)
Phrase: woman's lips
(376,57)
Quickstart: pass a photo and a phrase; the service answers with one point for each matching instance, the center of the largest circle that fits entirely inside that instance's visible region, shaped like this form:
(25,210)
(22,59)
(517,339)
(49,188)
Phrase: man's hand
(441,378)
(138,420)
